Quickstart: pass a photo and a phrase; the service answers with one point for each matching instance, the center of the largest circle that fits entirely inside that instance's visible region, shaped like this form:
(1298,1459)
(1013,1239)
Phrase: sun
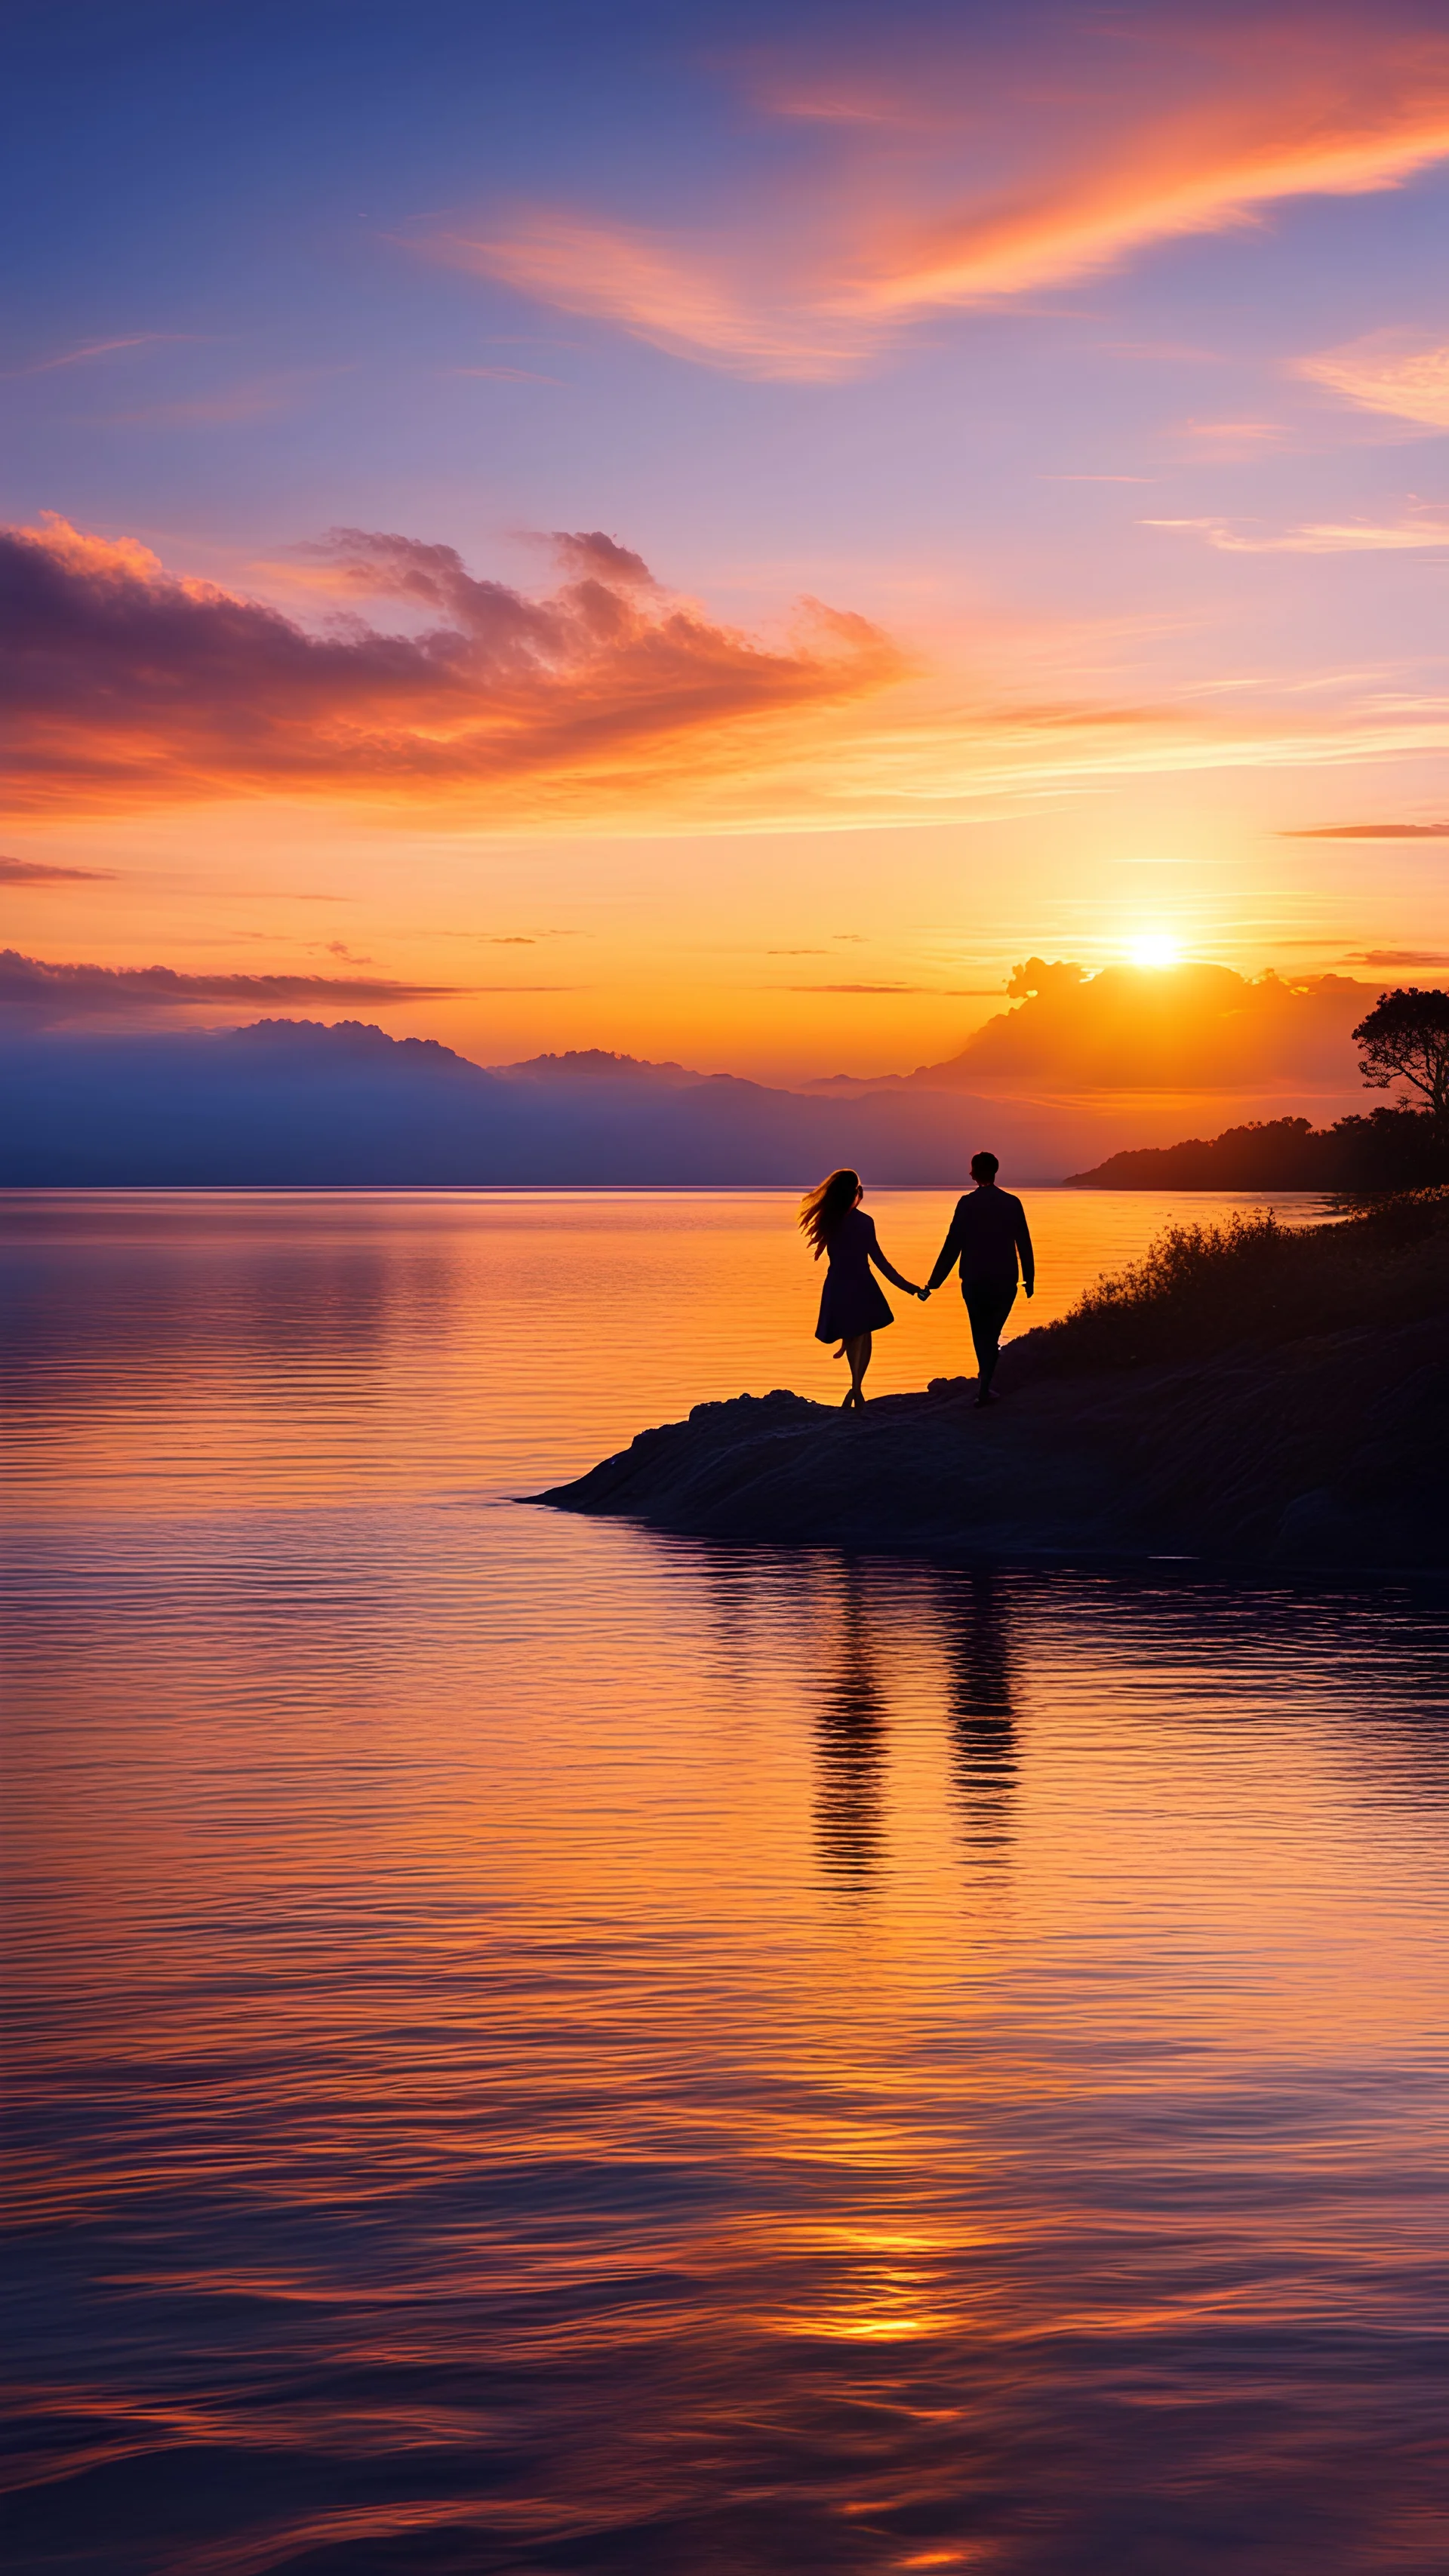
(1155,948)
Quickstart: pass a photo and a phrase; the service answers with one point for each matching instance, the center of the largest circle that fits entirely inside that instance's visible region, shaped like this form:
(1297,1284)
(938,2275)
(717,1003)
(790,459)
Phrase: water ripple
(536,2047)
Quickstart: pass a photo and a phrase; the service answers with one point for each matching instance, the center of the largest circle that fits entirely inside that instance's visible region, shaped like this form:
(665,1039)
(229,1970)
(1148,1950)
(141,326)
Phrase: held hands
(923,1294)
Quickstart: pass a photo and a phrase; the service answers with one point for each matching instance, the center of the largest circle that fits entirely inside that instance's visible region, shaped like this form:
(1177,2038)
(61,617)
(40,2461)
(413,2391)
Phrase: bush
(1201,1289)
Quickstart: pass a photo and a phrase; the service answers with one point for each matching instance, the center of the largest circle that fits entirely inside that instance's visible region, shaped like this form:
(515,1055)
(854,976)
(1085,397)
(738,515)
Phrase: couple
(987,1233)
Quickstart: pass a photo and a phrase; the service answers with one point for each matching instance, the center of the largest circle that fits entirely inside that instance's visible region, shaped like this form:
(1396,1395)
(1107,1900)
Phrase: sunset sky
(716,531)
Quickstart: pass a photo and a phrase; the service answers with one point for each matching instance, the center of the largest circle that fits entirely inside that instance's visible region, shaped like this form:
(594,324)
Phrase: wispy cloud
(1232,442)
(508,375)
(659,291)
(1426,529)
(43,994)
(254,398)
(90,349)
(1393,372)
(1398,957)
(38,872)
(938,992)
(961,178)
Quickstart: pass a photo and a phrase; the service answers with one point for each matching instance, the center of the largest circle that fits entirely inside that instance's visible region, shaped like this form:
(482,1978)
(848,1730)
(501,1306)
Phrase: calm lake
(538,2047)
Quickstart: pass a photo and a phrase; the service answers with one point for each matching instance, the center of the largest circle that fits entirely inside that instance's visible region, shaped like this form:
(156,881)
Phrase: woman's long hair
(823,1207)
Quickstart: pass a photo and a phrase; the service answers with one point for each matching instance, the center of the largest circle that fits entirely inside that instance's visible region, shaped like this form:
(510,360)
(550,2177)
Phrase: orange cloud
(607,704)
(678,300)
(127,686)
(965,178)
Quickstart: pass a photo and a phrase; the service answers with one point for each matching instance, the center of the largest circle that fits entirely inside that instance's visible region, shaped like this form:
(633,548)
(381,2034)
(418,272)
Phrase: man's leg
(987,1309)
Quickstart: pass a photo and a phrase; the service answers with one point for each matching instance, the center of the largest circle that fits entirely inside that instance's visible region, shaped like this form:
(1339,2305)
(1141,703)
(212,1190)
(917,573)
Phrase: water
(537,2047)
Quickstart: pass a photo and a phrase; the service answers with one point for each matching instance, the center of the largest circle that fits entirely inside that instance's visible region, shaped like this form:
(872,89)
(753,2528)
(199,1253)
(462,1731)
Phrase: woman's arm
(881,1263)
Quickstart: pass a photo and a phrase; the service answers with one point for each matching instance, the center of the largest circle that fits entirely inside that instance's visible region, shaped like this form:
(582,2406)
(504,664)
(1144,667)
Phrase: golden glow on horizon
(1156,948)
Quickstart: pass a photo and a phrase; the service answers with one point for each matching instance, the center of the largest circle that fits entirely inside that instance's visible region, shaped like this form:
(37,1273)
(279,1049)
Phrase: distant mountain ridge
(289,1103)
(599,1064)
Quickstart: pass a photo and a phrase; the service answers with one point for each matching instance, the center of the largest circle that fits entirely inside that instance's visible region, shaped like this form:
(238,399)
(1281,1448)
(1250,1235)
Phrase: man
(988,1232)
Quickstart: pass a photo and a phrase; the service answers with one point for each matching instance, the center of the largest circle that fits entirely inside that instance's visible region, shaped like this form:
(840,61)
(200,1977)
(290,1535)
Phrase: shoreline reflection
(851,1734)
(976,1621)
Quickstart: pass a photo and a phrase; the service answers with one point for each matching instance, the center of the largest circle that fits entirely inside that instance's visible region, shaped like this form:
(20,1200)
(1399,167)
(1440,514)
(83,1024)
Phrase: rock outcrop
(1327,1452)
(1249,1393)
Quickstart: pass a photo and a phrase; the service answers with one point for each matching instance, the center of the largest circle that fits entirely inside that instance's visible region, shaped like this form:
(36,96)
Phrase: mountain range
(289,1103)
(1083,1066)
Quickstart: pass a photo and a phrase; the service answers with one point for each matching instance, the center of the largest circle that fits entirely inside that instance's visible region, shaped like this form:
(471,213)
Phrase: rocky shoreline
(1328,1452)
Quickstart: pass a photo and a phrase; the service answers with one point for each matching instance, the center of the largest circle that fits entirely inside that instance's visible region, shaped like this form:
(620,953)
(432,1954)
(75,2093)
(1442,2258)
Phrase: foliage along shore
(1244,1394)
(1389,1150)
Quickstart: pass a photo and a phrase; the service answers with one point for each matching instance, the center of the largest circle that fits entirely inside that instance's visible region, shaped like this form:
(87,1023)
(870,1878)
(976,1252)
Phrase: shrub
(1199,1289)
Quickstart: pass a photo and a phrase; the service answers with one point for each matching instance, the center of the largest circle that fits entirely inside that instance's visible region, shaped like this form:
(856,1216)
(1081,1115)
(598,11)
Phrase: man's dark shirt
(988,1231)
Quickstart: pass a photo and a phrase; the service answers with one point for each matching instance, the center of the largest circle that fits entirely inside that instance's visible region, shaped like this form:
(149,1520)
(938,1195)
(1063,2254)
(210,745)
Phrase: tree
(1406,1039)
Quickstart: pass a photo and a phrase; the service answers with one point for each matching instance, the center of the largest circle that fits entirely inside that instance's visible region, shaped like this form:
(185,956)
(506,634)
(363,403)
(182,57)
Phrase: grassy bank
(1199,1290)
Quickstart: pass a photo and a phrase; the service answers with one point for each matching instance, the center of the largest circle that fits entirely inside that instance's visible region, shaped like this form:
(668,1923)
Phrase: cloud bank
(1193,1029)
(128,686)
(36,994)
(608,704)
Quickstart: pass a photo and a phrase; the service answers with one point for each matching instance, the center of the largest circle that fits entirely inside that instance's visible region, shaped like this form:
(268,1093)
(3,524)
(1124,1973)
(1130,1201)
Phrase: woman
(851,1304)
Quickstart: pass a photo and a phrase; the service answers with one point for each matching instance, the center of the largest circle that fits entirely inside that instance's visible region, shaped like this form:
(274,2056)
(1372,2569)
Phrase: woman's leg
(858,1354)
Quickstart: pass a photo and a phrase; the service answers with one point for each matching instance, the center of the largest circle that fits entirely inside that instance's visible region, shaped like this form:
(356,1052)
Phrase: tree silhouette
(1405,1038)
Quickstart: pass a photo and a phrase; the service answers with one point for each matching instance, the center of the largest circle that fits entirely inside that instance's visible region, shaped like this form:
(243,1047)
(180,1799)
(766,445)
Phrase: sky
(716,532)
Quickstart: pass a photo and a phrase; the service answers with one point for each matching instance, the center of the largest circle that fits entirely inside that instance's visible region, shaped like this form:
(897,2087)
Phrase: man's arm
(950,1252)
(1023,1244)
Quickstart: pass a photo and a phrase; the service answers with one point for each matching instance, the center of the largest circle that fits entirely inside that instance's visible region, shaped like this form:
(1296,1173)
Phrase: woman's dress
(851,1301)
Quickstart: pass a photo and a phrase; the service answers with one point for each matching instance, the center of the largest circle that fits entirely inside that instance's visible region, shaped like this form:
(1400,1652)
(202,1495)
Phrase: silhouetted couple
(987,1240)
